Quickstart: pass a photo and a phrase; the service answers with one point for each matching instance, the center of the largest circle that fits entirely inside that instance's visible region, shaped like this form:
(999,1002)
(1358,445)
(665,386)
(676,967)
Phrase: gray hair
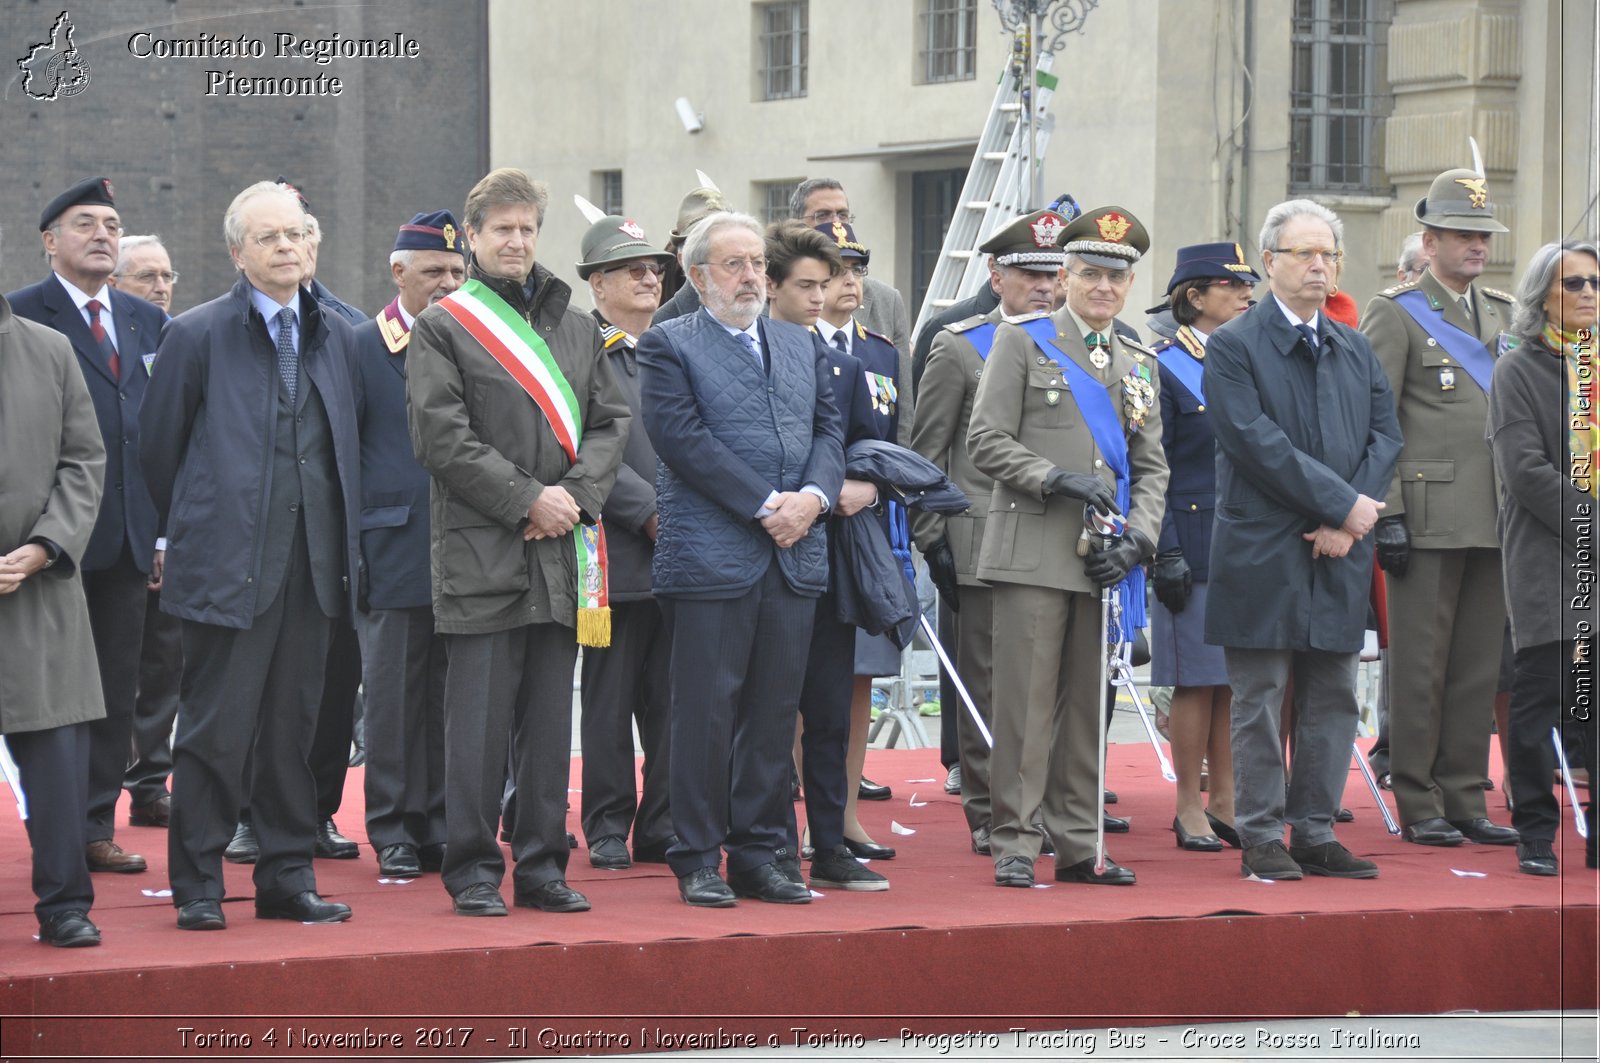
(1411,253)
(1280,215)
(313,228)
(803,191)
(233,220)
(130,244)
(1528,317)
(697,245)
(402,257)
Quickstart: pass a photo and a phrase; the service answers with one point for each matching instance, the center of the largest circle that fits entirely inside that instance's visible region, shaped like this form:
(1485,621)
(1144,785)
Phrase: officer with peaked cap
(626,683)
(1065,415)
(1024,259)
(402,659)
(1437,540)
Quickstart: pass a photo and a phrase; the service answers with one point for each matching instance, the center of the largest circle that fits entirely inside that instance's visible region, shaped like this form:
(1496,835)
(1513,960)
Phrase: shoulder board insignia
(968,323)
(864,331)
(611,335)
(1496,293)
(1397,289)
(1138,348)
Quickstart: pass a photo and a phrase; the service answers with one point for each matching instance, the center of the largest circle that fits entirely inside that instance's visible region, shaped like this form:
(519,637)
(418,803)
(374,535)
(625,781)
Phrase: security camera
(693,121)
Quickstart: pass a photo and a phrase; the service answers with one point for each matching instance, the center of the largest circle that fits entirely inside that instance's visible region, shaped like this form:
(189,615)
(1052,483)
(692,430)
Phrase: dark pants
(737,667)
(825,717)
(330,749)
(1544,695)
(403,691)
(160,675)
(949,701)
(623,684)
(54,769)
(116,615)
(509,688)
(250,694)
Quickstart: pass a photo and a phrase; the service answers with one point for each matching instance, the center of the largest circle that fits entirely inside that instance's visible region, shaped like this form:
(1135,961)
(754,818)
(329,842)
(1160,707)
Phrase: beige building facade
(1195,115)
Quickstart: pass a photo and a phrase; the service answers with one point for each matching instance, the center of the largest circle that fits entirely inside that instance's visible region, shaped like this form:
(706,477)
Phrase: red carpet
(943,951)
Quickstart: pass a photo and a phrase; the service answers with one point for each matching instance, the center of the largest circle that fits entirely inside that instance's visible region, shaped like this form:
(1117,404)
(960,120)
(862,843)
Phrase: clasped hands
(19,564)
(553,514)
(1336,542)
(792,514)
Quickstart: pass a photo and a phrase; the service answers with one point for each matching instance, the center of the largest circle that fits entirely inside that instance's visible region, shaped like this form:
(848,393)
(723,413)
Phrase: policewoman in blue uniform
(875,655)
(1210,286)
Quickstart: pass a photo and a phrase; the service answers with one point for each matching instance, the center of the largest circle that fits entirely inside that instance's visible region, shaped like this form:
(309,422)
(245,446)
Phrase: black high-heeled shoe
(868,850)
(1223,831)
(1195,843)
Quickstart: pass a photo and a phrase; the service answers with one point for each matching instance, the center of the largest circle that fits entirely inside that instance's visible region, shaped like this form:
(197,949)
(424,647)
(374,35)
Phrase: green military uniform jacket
(1025,423)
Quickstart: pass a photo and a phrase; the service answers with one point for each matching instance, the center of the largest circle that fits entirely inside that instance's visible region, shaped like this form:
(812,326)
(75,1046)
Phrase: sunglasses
(1577,284)
(637,270)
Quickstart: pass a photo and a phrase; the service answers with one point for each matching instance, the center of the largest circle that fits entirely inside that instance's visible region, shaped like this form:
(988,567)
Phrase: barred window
(784,45)
(774,199)
(1335,102)
(935,195)
(608,190)
(949,31)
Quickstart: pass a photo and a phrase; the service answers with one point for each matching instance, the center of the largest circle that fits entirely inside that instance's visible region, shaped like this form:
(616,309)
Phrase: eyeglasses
(858,268)
(637,270)
(1092,277)
(1577,284)
(150,276)
(268,239)
(819,217)
(86,224)
(737,266)
(1304,255)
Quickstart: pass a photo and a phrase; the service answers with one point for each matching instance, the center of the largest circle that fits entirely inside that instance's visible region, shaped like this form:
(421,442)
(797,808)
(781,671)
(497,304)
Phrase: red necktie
(103,340)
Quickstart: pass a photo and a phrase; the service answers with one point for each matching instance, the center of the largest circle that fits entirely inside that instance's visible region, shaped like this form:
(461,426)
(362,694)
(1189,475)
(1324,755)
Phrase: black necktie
(841,343)
(1310,335)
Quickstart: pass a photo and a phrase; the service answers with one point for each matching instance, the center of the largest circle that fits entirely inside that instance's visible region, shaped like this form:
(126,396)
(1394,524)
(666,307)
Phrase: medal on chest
(1138,396)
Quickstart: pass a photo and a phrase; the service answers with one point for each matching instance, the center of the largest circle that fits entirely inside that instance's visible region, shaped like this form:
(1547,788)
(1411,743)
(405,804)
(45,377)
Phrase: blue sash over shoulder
(1468,349)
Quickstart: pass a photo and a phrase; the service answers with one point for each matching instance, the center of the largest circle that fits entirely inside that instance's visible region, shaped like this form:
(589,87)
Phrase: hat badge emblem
(840,233)
(1477,190)
(449,234)
(1113,227)
(107,182)
(1046,229)
(632,228)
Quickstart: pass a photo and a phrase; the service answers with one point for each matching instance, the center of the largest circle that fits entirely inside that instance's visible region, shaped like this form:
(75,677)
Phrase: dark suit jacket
(1191,449)
(127,516)
(394,485)
(632,501)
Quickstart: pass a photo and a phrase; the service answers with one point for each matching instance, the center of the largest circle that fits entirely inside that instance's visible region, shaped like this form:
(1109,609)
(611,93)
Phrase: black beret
(96,190)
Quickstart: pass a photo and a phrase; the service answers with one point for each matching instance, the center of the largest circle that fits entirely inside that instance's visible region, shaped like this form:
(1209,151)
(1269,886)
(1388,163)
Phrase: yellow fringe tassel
(594,627)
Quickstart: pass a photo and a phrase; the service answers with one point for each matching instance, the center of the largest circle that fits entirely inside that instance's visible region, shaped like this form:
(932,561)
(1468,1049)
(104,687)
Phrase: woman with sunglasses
(1543,431)
(1210,287)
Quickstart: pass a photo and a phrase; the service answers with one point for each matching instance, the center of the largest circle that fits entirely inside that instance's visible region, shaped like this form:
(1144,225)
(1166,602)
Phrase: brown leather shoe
(157,813)
(107,855)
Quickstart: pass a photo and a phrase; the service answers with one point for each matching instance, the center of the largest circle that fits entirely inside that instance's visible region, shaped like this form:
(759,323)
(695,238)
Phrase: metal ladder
(997,188)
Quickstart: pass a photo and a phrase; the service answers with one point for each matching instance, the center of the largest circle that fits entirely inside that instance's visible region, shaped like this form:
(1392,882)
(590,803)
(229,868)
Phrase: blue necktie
(749,342)
(840,342)
(1310,335)
(288,363)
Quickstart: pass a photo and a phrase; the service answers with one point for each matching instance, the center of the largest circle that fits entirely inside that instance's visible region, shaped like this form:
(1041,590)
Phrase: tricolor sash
(1100,416)
(1467,348)
(520,351)
(1188,371)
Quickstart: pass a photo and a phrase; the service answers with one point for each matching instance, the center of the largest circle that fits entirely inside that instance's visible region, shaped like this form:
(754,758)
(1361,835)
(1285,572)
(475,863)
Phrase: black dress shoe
(157,813)
(553,896)
(609,853)
(794,784)
(1537,857)
(653,852)
(952,780)
(767,883)
(1344,815)
(980,841)
(431,857)
(1224,831)
(871,791)
(868,850)
(1196,843)
(304,907)
(331,845)
(1015,871)
(1433,831)
(480,898)
(1115,824)
(70,929)
(1114,874)
(572,840)
(1485,832)
(1108,797)
(201,914)
(244,849)
(399,860)
(704,888)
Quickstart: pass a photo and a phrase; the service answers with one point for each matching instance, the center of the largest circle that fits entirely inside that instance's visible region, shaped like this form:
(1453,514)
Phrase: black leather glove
(1394,545)
(942,567)
(1082,485)
(1173,580)
(1108,567)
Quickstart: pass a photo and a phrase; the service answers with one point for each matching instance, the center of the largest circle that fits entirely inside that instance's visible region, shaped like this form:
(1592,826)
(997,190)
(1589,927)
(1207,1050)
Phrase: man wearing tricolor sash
(1065,415)
(1436,539)
(516,413)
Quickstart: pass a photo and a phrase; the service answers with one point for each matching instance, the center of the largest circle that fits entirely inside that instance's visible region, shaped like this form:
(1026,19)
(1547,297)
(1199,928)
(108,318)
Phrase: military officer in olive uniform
(1436,538)
(1024,259)
(1065,414)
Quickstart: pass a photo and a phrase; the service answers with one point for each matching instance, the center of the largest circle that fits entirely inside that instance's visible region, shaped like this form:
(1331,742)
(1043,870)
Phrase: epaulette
(1390,293)
(968,323)
(611,335)
(1140,351)
(1496,293)
(862,330)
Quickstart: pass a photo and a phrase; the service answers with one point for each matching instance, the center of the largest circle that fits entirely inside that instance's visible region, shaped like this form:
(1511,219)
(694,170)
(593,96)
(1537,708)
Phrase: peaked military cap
(1108,237)
(842,234)
(1029,242)
(1211,261)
